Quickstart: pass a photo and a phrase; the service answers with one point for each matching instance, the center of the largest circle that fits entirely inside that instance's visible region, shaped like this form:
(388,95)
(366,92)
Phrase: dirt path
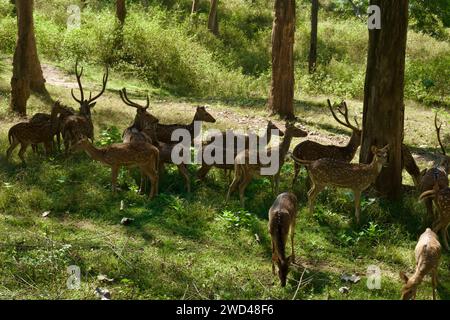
(56,77)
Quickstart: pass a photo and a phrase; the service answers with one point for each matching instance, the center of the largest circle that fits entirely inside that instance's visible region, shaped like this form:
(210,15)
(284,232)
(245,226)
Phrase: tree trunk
(213,23)
(121,11)
(281,100)
(383,119)
(195,4)
(27,71)
(313,44)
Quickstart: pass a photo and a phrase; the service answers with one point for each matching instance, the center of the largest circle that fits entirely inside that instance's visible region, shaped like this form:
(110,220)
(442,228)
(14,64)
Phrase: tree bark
(213,23)
(281,99)
(121,11)
(383,118)
(27,72)
(313,44)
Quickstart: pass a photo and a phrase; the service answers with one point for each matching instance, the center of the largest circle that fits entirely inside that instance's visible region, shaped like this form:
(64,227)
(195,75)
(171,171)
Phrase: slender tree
(281,99)
(313,43)
(383,118)
(213,23)
(195,4)
(121,11)
(27,72)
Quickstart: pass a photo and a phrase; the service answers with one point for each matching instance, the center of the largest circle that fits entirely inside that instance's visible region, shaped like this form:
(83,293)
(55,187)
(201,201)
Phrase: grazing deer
(203,171)
(311,150)
(436,175)
(441,198)
(34,133)
(164,131)
(357,177)
(142,155)
(76,126)
(427,254)
(244,170)
(282,215)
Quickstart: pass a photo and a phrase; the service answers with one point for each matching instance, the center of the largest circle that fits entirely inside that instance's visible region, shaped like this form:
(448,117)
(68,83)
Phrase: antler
(128,102)
(78,75)
(438,132)
(344,114)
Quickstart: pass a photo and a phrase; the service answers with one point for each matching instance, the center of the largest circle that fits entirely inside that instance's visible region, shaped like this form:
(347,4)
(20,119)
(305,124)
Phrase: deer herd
(147,145)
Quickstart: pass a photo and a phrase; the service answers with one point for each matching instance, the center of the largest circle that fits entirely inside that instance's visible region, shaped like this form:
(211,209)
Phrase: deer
(244,171)
(427,254)
(436,175)
(441,198)
(144,130)
(311,150)
(282,216)
(205,168)
(142,155)
(34,133)
(164,131)
(357,177)
(74,126)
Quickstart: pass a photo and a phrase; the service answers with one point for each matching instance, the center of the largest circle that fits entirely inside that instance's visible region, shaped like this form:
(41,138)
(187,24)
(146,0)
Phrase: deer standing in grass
(142,155)
(76,126)
(357,177)
(164,131)
(282,216)
(244,171)
(311,150)
(262,141)
(427,254)
(144,129)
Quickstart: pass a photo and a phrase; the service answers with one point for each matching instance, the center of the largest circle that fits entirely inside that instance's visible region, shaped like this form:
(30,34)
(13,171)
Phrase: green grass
(194,246)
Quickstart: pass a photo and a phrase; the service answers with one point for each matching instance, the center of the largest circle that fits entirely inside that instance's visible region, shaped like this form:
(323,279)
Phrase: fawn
(357,177)
(311,150)
(164,131)
(203,171)
(282,216)
(427,254)
(142,155)
(244,170)
(75,126)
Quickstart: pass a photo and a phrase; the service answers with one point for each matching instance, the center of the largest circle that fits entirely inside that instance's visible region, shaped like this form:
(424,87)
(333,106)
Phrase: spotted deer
(427,254)
(441,198)
(164,131)
(436,175)
(244,171)
(328,172)
(33,133)
(142,155)
(76,126)
(203,171)
(311,150)
(282,216)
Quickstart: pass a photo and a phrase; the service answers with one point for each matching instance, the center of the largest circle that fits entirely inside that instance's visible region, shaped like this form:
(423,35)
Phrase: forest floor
(194,246)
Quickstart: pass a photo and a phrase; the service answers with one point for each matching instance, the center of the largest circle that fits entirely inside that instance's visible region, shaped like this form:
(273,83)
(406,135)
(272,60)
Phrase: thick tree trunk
(213,23)
(313,43)
(27,71)
(121,11)
(383,119)
(195,4)
(281,100)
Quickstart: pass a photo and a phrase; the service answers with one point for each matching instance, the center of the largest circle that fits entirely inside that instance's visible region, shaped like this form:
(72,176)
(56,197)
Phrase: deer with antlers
(144,130)
(245,169)
(76,126)
(282,216)
(311,150)
(357,177)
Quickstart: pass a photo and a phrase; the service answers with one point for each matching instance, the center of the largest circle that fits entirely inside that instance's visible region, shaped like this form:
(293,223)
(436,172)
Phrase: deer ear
(403,276)
(373,149)
(92,105)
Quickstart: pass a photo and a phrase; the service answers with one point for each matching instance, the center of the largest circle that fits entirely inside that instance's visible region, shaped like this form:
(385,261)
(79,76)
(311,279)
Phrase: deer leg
(296,172)
(234,184)
(203,171)
(242,186)
(357,195)
(184,172)
(292,239)
(154,180)
(48,148)
(434,282)
(13,145)
(312,194)
(23,148)
(274,257)
(114,174)
(444,238)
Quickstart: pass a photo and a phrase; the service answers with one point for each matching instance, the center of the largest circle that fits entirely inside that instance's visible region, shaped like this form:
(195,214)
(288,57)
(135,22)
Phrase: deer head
(143,119)
(283,269)
(202,115)
(294,131)
(445,162)
(343,110)
(272,126)
(381,154)
(409,288)
(87,104)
